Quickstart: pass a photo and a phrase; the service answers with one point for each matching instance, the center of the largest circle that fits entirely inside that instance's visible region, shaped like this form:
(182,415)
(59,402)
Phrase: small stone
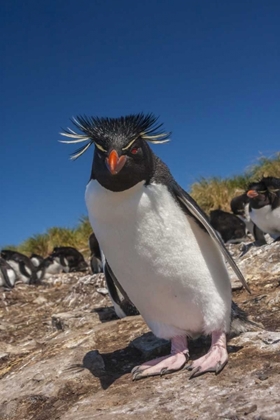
(102,290)
(39,377)
(247,409)
(4,356)
(270,337)
(40,300)
(262,377)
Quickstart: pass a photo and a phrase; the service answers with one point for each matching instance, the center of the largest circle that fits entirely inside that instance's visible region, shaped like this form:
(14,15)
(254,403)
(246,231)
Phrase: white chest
(267,220)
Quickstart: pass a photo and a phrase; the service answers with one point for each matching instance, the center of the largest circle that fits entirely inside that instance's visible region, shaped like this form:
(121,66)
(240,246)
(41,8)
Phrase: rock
(150,346)
(72,320)
(102,291)
(40,300)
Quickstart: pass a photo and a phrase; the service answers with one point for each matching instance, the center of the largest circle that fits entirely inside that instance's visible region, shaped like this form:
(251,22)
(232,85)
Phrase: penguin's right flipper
(27,272)
(122,304)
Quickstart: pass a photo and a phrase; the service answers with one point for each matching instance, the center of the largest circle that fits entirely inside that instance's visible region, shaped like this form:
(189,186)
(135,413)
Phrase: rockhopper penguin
(7,274)
(264,208)
(157,241)
(22,265)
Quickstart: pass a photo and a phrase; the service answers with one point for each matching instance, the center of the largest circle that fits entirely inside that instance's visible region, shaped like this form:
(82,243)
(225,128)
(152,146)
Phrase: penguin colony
(17,267)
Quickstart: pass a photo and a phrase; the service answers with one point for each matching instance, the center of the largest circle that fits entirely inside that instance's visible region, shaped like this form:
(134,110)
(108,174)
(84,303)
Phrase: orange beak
(114,162)
(252,193)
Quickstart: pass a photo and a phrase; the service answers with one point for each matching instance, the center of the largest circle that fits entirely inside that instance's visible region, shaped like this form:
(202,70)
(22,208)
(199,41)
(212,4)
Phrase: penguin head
(264,192)
(6,254)
(122,157)
(238,204)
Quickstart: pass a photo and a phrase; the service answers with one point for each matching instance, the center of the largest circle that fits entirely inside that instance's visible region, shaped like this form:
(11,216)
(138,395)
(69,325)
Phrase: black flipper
(115,290)
(185,200)
(4,268)
(259,236)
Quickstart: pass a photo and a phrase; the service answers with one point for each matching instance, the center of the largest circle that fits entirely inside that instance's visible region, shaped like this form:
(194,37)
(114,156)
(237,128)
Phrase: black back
(74,258)
(230,227)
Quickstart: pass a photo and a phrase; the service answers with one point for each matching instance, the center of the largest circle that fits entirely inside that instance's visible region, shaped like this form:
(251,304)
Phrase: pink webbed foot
(166,364)
(214,360)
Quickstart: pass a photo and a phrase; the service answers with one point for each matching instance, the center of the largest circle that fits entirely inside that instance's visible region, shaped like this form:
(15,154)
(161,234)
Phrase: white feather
(267,220)
(20,276)
(170,268)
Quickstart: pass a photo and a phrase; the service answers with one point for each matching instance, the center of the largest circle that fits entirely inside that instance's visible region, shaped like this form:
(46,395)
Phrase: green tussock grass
(210,194)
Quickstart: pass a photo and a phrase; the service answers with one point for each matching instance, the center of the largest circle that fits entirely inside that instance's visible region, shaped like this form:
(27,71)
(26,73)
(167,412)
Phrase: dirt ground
(65,355)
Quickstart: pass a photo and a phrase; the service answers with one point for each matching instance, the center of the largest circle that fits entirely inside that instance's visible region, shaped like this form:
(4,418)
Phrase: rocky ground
(65,355)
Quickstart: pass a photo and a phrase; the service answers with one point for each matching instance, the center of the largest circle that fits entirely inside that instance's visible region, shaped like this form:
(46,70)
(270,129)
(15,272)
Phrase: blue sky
(209,69)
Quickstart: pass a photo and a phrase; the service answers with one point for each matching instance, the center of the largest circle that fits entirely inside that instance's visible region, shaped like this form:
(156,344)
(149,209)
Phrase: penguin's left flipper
(187,202)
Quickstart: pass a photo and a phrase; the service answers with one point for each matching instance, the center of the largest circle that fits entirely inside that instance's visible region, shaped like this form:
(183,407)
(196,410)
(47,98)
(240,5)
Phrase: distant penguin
(230,227)
(94,246)
(49,267)
(70,256)
(25,270)
(264,205)
(95,258)
(140,215)
(36,259)
(7,274)
(240,207)
(238,204)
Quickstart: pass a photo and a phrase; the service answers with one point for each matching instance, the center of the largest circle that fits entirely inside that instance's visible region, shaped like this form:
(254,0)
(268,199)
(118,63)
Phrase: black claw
(136,376)
(220,367)
(163,371)
(195,372)
(135,369)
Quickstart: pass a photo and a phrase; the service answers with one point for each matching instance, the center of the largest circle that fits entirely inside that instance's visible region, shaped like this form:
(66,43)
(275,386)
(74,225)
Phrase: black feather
(103,130)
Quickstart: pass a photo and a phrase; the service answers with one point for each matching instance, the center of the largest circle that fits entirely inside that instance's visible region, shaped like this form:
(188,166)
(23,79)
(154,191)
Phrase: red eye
(134,150)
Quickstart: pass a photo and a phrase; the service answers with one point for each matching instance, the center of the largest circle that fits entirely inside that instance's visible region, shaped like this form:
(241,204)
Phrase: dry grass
(214,193)
(43,244)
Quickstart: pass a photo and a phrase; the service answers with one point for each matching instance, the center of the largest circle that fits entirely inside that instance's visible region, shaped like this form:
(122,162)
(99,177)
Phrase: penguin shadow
(108,367)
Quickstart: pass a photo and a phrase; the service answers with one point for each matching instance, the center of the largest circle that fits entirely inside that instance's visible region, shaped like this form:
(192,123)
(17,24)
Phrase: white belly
(20,276)
(169,267)
(268,221)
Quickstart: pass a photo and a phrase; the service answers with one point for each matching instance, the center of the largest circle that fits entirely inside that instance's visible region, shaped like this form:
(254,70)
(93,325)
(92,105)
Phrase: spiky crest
(98,130)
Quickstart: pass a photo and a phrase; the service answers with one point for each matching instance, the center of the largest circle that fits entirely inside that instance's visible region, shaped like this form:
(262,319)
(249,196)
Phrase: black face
(122,157)
(238,204)
(263,193)
(136,165)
